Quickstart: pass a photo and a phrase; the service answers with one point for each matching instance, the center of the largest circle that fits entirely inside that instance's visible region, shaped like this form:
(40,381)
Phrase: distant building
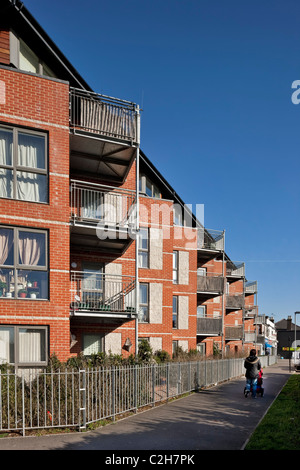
(266,335)
(286,336)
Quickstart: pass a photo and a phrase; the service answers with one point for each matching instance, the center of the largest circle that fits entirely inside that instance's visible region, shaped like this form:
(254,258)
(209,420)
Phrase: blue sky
(214,80)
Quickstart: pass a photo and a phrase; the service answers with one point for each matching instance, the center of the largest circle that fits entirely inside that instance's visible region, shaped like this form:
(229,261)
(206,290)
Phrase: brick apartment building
(97,250)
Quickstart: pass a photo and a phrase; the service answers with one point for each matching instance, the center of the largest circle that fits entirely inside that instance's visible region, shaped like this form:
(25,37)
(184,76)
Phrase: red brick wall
(42,104)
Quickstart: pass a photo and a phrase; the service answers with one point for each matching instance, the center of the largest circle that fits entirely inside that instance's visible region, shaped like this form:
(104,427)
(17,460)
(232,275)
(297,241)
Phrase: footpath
(218,418)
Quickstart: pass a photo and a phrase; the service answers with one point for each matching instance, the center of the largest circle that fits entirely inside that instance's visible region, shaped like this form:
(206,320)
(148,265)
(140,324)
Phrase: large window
(23,165)
(23,345)
(23,263)
(92,344)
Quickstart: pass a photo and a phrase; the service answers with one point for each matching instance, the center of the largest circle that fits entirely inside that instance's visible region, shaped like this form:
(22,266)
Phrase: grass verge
(280,427)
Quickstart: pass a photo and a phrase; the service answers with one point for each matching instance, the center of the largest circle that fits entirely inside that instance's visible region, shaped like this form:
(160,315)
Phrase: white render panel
(113,343)
(155,248)
(183,312)
(183,267)
(155,302)
(156,343)
(184,344)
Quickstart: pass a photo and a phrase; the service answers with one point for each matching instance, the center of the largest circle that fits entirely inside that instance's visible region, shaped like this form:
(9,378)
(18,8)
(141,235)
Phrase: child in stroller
(259,387)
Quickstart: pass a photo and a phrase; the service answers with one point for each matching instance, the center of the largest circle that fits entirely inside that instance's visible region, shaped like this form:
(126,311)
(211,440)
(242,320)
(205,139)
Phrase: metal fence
(76,398)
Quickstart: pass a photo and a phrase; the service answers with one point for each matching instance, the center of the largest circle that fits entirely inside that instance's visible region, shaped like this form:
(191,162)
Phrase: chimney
(289,323)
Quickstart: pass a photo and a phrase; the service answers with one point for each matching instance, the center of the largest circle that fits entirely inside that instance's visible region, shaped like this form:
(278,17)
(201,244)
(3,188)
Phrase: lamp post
(296,313)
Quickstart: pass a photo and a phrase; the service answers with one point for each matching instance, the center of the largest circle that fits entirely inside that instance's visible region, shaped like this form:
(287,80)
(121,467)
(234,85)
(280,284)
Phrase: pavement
(218,418)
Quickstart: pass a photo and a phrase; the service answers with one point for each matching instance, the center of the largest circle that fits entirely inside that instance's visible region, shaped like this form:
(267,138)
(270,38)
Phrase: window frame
(143,250)
(144,305)
(17,266)
(16,168)
(176,268)
(100,337)
(144,181)
(175,313)
(16,344)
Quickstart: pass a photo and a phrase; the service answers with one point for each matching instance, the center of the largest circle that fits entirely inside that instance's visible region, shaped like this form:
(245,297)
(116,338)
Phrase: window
(177,214)
(175,346)
(201,272)
(92,286)
(201,311)
(144,303)
(23,345)
(23,165)
(175,311)
(23,263)
(92,344)
(147,187)
(143,248)
(175,267)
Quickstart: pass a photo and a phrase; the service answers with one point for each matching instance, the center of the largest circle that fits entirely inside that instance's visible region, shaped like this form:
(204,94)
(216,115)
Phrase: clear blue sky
(214,81)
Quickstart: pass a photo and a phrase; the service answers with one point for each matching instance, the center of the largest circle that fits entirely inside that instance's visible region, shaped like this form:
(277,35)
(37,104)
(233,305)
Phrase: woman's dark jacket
(252,365)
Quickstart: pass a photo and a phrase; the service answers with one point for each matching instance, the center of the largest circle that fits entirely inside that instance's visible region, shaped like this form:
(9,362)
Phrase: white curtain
(30,346)
(6,145)
(31,248)
(4,346)
(31,154)
(6,241)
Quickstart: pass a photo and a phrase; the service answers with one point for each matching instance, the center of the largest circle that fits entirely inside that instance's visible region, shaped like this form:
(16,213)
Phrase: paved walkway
(219,418)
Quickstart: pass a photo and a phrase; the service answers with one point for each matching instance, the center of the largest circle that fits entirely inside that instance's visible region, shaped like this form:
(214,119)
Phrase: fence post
(23,406)
(153,385)
(82,399)
(135,388)
(113,392)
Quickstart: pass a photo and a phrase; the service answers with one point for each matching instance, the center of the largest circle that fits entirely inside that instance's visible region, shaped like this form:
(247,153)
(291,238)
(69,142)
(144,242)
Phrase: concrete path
(219,418)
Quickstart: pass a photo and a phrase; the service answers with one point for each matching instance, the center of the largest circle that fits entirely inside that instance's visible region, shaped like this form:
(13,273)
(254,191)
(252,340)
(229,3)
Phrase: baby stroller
(259,387)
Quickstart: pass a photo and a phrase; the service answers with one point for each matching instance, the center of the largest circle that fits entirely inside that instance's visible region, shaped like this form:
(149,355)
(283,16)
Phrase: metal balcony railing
(251,287)
(210,283)
(250,336)
(103,115)
(251,311)
(209,326)
(99,292)
(234,301)
(210,239)
(233,332)
(235,269)
(93,203)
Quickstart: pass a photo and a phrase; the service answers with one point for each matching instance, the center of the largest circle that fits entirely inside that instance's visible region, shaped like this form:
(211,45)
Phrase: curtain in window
(30,346)
(6,241)
(31,249)
(31,154)
(6,145)
(4,346)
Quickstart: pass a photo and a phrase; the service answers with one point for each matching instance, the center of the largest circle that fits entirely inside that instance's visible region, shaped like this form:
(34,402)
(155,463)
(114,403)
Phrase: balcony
(235,271)
(101,216)
(251,311)
(210,285)
(99,295)
(233,333)
(250,337)
(207,326)
(210,242)
(251,287)
(104,134)
(234,301)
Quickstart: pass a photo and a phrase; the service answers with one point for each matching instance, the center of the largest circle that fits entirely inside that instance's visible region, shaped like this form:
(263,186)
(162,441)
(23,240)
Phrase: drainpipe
(223,298)
(137,228)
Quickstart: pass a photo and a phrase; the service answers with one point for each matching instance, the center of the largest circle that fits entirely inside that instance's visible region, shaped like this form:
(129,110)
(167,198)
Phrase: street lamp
(296,313)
